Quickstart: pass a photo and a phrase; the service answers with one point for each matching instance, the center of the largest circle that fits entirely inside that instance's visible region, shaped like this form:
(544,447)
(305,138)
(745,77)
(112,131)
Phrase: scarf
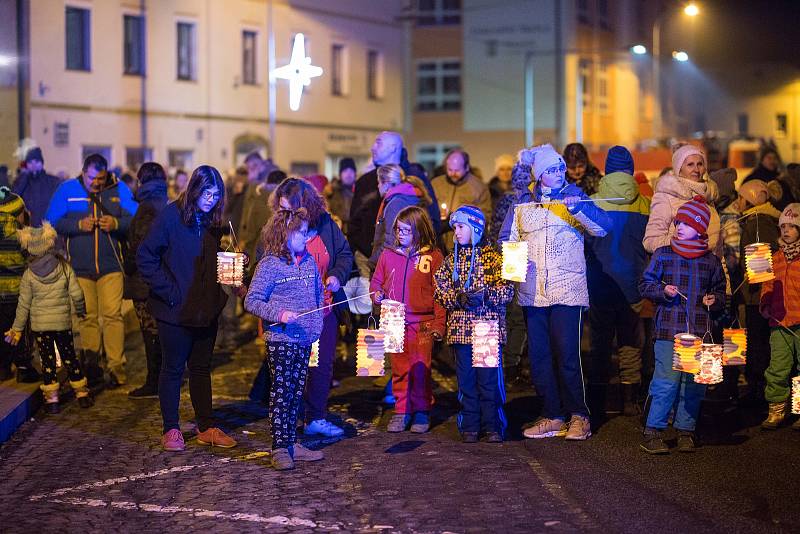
(690,248)
(790,250)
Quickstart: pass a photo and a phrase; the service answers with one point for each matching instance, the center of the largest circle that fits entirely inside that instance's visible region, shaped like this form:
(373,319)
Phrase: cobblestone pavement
(102,470)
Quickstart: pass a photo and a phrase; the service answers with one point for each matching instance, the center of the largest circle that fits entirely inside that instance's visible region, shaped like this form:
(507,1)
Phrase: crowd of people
(642,262)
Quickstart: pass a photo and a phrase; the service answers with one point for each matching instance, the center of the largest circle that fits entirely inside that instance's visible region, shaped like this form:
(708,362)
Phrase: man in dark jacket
(35,186)
(93,212)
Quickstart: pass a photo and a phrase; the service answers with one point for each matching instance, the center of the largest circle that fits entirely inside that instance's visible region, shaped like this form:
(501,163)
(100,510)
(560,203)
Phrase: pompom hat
(37,241)
(696,214)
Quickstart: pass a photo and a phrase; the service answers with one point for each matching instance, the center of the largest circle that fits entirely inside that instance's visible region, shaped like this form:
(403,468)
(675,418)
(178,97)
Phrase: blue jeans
(481,392)
(670,389)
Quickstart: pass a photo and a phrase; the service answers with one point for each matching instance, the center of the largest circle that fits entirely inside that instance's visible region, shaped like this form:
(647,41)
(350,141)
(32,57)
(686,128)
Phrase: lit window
(187,61)
(439,85)
(78,33)
(133,44)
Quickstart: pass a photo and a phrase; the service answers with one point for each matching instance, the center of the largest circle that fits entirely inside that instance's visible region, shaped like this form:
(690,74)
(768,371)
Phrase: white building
(186,82)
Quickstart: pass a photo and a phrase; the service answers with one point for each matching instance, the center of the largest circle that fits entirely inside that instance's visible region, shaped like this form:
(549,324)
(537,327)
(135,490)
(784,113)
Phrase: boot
(777,413)
(630,400)
(152,349)
(94,373)
(50,392)
(82,393)
(596,398)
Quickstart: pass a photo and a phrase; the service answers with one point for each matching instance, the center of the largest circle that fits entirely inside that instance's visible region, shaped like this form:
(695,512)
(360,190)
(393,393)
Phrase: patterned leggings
(63,339)
(288,363)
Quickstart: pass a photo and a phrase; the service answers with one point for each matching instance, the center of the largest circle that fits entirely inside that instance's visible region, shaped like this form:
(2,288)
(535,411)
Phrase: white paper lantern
(710,371)
(796,395)
(230,268)
(393,324)
(485,343)
(370,352)
(758,261)
(515,260)
(313,361)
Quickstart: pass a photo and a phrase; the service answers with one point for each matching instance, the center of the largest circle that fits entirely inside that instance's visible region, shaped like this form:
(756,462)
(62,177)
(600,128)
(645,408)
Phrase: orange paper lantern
(686,353)
(758,261)
(734,346)
(369,352)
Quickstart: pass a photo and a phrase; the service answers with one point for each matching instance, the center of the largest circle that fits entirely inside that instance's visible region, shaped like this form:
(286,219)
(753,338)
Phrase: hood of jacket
(686,189)
(44,267)
(625,186)
(152,190)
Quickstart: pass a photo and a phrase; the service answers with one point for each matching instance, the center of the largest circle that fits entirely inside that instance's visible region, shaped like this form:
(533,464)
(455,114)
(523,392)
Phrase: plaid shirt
(695,278)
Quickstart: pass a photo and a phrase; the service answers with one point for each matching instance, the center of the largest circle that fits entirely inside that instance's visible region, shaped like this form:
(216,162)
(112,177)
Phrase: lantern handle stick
(780,323)
(677,290)
(581,200)
(331,305)
(235,240)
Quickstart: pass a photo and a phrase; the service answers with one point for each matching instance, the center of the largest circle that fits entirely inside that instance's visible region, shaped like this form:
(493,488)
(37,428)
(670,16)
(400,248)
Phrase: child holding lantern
(285,286)
(780,303)
(686,282)
(405,273)
(469,287)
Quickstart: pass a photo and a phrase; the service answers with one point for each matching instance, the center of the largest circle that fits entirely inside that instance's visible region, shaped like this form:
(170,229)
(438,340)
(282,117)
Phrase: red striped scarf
(690,248)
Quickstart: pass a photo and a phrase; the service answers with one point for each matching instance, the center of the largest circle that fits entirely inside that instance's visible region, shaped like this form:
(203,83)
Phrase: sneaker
(420,423)
(546,428)
(322,427)
(52,408)
(469,437)
(579,428)
(282,460)
(776,415)
(216,438)
(173,441)
(398,423)
(304,454)
(85,401)
(144,392)
(654,442)
(686,441)
(494,437)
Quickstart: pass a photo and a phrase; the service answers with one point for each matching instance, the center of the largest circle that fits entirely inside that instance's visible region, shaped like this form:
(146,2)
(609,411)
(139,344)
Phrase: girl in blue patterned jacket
(286,286)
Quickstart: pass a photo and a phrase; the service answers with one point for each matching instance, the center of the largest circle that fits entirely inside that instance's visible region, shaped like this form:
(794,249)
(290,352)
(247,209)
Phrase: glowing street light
(298,71)
(6,61)
(639,49)
(680,55)
(691,10)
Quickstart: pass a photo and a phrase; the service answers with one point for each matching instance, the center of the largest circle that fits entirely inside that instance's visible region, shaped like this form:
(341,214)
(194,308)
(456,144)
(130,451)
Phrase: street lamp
(639,49)
(680,55)
(691,10)
(6,61)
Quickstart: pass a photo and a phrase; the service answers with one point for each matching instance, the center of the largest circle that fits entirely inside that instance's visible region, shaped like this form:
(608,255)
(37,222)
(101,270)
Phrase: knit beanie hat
(346,163)
(544,157)
(725,180)
(695,213)
(790,215)
(680,155)
(37,241)
(619,159)
(521,177)
(34,153)
(503,160)
(472,216)
(755,192)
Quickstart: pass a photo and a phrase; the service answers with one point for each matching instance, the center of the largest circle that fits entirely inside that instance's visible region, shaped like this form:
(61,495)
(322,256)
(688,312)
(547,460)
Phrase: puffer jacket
(278,286)
(556,263)
(780,296)
(47,287)
(401,196)
(671,193)
(485,276)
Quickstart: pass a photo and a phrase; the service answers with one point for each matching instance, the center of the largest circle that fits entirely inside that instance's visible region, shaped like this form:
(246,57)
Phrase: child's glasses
(208,195)
(403,231)
(553,169)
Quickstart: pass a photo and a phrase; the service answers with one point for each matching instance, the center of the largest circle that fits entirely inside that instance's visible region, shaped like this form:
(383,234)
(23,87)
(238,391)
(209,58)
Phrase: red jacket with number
(409,279)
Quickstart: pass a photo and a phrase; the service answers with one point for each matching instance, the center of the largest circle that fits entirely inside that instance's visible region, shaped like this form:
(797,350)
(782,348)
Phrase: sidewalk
(18,403)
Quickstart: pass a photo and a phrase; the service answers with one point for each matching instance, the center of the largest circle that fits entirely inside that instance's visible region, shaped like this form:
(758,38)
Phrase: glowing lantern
(393,324)
(796,395)
(734,346)
(370,352)
(313,361)
(758,260)
(710,364)
(230,268)
(485,343)
(515,260)
(686,353)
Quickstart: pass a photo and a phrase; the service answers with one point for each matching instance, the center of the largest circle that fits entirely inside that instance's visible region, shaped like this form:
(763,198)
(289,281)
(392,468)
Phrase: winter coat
(179,264)
(152,198)
(761,173)
(410,280)
(45,292)
(615,263)
(672,192)
(278,286)
(12,263)
(497,190)
(780,298)
(339,198)
(761,225)
(695,278)
(590,180)
(556,262)
(95,253)
(503,215)
(469,190)
(36,189)
(485,276)
(401,196)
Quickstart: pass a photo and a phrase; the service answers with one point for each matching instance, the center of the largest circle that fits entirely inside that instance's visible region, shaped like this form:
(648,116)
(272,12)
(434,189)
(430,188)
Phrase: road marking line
(557,491)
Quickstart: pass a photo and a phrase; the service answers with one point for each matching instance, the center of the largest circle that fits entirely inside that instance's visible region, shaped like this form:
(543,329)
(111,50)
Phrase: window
(61,134)
(180,159)
(187,68)
(249,55)
(303,168)
(438,85)
(133,44)
(438,12)
(103,150)
(742,123)
(582,9)
(78,45)
(585,73)
(374,75)
(781,125)
(339,70)
(432,155)
(602,87)
(135,156)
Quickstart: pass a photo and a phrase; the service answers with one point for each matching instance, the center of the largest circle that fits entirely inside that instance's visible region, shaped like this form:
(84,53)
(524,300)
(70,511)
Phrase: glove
(469,301)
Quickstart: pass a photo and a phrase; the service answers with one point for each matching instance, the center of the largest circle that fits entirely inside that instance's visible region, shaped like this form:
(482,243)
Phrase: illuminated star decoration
(299,71)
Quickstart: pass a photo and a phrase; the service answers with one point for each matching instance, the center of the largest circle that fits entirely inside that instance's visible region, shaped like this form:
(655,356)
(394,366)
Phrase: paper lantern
(686,353)
(515,260)
(313,361)
(796,395)
(758,260)
(370,352)
(230,268)
(710,364)
(485,343)
(393,324)
(734,346)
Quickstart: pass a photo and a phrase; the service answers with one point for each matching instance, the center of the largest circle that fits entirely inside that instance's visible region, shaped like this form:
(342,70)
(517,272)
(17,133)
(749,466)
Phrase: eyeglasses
(403,231)
(208,195)
(556,168)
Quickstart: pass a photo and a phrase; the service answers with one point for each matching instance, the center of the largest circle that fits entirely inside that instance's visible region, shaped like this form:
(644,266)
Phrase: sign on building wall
(497,38)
